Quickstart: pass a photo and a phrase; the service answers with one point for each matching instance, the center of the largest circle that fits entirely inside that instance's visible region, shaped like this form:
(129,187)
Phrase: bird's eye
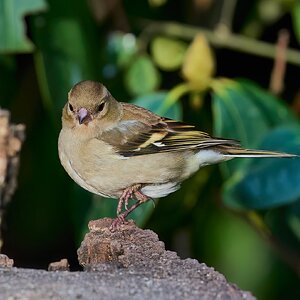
(100,107)
(71,107)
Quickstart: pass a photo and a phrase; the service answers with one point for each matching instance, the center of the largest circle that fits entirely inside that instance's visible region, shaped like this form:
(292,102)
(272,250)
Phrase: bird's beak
(83,115)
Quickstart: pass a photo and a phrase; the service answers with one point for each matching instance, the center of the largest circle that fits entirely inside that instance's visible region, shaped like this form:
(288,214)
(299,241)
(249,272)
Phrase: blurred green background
(225,66)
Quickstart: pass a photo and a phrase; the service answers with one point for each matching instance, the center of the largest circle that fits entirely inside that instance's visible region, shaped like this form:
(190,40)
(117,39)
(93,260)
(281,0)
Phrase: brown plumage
(120,150)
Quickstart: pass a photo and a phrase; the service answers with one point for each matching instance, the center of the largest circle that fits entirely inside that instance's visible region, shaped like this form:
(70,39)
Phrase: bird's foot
(121,218)
(127,194)
(117,222)
(133,191)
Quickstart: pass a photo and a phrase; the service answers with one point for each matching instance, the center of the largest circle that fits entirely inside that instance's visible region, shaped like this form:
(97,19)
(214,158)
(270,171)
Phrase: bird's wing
(132,137)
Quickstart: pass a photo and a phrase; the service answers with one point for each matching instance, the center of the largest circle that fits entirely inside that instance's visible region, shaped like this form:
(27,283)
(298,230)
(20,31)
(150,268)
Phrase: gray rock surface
(188,280)
(129,263)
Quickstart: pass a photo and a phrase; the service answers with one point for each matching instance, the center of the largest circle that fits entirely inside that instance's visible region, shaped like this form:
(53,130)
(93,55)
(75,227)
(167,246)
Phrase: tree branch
(218,38)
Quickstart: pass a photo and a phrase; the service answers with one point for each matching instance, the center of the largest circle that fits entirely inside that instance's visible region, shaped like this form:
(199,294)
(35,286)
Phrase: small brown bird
(119,150)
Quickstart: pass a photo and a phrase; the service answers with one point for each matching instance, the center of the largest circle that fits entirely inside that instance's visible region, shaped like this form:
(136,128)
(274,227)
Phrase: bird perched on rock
(120,150)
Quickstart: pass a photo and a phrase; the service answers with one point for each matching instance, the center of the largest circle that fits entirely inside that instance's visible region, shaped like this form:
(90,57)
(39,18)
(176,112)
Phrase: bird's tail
(240,152)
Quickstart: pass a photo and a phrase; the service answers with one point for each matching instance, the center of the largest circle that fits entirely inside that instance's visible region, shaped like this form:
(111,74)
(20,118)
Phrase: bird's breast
(75,162)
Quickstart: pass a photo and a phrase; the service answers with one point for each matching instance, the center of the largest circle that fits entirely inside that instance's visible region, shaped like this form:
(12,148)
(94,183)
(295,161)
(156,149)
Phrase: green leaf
(168,53)
(268,182)
(275,111)
(236,116)
(142,76)
(155,102)
(245,112)
(12,24)
(173,97)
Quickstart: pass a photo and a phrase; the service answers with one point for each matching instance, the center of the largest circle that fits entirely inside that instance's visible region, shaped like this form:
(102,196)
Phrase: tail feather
(240,152)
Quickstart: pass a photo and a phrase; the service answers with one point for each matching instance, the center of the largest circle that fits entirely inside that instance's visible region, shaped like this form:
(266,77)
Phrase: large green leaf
(275,111)
(12,24)
(155,102)
(236,116)
(245,112)
(268,182)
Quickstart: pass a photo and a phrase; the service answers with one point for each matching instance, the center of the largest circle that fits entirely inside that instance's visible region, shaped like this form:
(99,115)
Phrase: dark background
(105,40)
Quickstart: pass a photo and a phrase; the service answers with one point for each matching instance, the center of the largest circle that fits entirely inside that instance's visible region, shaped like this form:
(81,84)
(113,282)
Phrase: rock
(62,265)
(128,264)
(127,246)
(5,261)
(132,253)
(115,283)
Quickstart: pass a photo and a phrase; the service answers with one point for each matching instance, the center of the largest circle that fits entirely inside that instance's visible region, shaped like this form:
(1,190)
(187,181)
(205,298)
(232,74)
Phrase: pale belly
(108,174)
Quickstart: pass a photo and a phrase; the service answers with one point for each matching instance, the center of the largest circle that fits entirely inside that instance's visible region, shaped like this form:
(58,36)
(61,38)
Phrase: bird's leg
(127,193)
(133,190)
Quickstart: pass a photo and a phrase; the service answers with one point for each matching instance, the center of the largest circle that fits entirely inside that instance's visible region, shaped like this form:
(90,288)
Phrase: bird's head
(89,102)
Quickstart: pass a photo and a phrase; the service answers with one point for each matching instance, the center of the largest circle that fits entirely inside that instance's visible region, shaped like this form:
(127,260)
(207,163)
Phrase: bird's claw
(117,222)
(126,203)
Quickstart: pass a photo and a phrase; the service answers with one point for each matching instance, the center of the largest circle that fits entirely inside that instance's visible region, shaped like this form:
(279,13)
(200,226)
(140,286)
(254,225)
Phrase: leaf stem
(174,95)
(219,38)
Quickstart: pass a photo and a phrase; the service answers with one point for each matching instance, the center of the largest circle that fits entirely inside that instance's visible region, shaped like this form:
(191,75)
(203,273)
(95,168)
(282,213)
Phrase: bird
(120,150)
